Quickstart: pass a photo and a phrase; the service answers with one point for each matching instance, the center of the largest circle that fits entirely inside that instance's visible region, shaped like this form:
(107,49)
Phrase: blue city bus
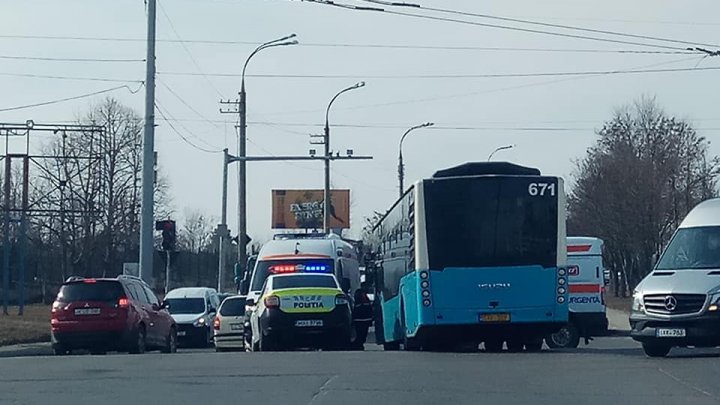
(475,254)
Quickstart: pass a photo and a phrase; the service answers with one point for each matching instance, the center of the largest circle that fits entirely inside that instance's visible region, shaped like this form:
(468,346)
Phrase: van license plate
(236,326)
(670,333)
(181,333)
(309,323)
(502,317)
(87,311)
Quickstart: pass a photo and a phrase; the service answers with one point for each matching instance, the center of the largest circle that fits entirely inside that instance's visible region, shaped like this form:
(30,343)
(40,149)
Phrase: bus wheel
(410,344)
(493,345)
(566,338)
(391,346)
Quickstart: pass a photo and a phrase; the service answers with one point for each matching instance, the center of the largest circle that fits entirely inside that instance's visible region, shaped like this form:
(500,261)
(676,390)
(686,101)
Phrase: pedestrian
(362,315)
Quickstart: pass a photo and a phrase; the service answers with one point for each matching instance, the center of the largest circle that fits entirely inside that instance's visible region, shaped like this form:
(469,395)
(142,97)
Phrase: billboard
(303,209)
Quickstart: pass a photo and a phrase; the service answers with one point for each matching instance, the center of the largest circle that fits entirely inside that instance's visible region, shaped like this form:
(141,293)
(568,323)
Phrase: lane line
(686,384)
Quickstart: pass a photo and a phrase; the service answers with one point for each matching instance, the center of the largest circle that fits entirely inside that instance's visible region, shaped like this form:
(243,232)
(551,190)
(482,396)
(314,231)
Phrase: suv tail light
(56,306)
(216,323)
(123,302)
(272,301)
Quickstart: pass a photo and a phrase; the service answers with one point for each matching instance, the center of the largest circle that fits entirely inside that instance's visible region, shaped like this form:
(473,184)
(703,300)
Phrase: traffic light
(169,237)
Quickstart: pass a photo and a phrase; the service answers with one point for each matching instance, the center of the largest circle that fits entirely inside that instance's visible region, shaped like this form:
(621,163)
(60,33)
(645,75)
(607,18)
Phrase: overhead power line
(182,100)
(48,59)
(164,115)
(539,23)
(363,45)
(62,100)
(77,78)
(488,25)
(190,55)
(446,76)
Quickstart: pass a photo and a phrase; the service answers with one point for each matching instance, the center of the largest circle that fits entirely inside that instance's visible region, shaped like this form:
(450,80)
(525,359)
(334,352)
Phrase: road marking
(322,391)
(686,384)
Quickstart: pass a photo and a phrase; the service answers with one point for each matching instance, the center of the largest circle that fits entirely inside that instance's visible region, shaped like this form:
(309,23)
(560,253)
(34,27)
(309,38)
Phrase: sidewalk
(618,320)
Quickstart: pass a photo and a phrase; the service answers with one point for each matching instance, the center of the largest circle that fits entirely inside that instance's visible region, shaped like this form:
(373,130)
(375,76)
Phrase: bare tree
(197,232)
(646,171)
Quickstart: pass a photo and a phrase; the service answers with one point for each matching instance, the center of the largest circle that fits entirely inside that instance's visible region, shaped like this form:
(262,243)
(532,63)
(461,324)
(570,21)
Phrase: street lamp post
(401,166)
(326,141)
(499,149)
(242,149)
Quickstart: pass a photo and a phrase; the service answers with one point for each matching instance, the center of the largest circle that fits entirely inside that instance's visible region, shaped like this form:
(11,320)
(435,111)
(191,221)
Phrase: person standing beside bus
(362,315)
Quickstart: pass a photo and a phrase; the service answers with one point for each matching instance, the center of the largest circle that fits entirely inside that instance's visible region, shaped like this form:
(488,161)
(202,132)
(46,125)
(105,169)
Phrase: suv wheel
(139,346)
(60,350)
(171,342)
(653,349)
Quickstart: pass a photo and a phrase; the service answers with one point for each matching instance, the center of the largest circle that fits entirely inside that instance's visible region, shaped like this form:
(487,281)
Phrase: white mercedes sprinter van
(676,305)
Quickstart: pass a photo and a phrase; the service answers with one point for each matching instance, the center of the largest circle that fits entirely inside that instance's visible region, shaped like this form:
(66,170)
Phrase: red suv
(110,314)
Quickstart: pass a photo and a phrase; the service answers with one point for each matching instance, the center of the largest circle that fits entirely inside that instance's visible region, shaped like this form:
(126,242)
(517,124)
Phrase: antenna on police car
(297,248)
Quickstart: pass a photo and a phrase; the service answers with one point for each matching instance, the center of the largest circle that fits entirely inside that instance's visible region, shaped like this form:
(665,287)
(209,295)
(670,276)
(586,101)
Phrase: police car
(301,310)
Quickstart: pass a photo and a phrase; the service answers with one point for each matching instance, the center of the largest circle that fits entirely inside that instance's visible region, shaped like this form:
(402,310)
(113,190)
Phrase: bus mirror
(339,253)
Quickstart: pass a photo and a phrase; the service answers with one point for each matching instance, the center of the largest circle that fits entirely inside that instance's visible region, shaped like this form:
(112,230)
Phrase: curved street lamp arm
(269,44)
(353,87)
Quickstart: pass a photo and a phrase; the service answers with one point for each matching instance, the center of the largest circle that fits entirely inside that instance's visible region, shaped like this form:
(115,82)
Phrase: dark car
(110,314)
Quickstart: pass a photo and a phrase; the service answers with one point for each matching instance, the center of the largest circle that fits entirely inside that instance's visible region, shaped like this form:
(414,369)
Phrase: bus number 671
(541,189)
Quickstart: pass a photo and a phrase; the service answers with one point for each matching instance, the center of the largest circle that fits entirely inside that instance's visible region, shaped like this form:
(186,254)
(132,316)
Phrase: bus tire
(568,337)
(410,344)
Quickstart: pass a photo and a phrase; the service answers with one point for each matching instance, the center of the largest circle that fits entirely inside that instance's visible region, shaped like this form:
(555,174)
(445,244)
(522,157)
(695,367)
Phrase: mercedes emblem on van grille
(670,303)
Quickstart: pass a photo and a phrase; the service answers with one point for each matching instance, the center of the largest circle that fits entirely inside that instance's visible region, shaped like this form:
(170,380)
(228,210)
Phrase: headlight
(714,302)
(199,323)
(637,305)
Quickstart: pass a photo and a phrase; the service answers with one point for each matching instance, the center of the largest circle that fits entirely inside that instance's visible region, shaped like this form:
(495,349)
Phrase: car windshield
(186,305)
(104,291)
(304,281)
(233,307)
(265,268)
(692,249)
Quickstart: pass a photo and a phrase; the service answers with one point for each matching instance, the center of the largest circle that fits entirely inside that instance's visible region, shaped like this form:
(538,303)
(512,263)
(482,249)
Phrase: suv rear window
(102,291)
(233,307)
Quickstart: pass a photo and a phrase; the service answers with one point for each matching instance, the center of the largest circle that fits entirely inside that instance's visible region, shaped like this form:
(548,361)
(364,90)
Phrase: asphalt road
(608,371)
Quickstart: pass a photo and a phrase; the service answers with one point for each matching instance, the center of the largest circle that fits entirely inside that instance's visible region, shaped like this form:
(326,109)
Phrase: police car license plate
(670,333)
(181,333)
(87,311)
(500,317)
(309,323)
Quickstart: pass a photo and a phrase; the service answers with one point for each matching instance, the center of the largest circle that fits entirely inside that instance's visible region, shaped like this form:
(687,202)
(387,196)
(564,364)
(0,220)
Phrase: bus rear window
(491,222)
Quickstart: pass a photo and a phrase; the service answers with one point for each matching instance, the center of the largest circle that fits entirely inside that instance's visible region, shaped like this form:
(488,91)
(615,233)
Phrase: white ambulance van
(301,253)
(587,279)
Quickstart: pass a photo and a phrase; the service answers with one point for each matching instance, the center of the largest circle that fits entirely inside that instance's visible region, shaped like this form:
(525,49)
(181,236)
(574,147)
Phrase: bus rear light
(426,302)
(561,281)
(561,290)
(426,293)
(561,300)
(272,301)
(425,284)
(562,272)
(424,275)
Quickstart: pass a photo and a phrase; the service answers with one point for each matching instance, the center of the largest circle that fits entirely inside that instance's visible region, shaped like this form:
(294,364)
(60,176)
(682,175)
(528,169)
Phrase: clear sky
(551,119)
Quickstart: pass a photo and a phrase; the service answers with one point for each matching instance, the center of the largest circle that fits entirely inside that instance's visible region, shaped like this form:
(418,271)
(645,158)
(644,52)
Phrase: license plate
(502,317)
(87,311)
(309,323)
(670,332)
(235,326)
(181,333)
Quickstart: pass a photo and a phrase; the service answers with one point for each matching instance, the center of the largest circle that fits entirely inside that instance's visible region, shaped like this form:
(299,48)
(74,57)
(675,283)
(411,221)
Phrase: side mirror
(156,307)
(345,285)
(249,302)
(164,305)
(244,287)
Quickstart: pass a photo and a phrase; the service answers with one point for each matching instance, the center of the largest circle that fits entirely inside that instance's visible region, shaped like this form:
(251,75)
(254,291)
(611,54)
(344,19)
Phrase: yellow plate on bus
(500,317)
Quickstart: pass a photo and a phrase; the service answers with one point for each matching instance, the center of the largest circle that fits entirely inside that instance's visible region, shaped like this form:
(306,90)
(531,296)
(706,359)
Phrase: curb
(27,349)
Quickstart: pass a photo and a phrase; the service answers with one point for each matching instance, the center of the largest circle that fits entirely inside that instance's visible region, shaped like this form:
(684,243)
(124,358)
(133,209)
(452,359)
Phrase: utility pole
(222,230)
(147,248)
